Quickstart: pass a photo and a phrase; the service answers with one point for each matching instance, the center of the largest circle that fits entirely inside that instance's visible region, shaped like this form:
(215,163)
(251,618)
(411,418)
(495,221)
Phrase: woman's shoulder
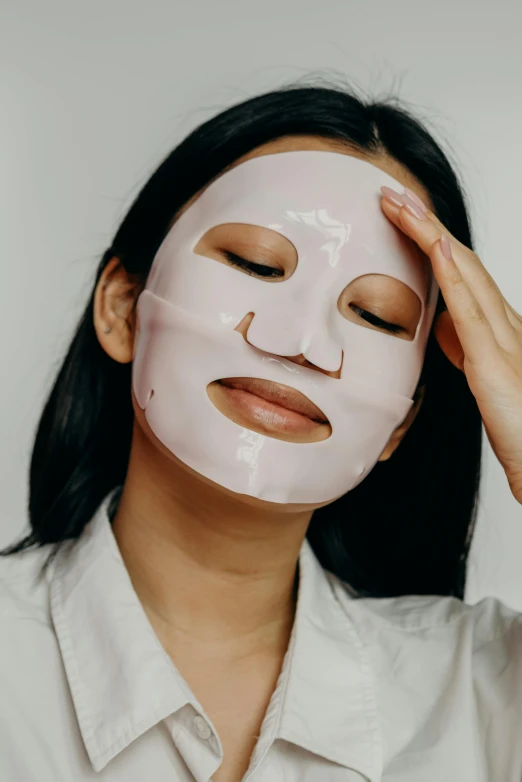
(29,654)
(423,649)
(430,614)
(451,671)
(24,588)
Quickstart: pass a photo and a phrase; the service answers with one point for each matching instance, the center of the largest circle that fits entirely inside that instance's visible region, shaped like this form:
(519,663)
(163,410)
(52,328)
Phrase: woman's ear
(114,311)
(448,340)
(396,438)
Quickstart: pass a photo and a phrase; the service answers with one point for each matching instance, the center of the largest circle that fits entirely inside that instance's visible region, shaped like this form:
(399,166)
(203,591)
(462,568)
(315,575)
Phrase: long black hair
(406,529)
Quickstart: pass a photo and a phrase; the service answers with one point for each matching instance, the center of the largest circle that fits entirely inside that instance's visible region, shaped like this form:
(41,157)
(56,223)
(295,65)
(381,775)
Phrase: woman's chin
(177,476)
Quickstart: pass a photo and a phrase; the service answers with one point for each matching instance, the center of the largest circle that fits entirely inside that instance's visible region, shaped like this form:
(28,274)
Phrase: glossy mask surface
(328,205)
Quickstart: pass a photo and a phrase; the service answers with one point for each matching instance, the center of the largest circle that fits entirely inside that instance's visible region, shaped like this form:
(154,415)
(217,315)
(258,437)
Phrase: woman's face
(372,301)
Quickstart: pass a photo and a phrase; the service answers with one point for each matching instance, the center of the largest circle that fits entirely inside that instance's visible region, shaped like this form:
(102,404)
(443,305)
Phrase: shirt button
(202,727)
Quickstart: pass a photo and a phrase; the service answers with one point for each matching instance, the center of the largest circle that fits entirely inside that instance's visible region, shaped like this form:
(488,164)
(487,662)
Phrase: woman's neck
(208,569)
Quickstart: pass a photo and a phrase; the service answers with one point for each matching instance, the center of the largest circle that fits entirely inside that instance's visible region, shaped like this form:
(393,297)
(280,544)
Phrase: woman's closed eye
(383,303)
(253,268)
(252,249)
(393,328)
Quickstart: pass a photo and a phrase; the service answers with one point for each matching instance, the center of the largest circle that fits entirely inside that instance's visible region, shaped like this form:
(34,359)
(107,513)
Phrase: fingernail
(415,197)
(412,207)
(445,247)
(392,195)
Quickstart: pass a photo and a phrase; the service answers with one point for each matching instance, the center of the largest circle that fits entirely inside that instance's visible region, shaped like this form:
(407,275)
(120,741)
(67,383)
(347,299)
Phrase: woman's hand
(481,334)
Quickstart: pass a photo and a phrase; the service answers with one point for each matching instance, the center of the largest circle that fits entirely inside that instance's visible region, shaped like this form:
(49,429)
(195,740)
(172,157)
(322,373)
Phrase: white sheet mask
(328,205)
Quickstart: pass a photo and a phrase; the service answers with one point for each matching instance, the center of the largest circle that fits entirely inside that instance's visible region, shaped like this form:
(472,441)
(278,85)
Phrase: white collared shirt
(413,689)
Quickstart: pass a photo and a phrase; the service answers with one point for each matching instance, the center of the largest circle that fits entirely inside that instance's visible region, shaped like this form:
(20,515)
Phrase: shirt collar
(329,706)
(123,682)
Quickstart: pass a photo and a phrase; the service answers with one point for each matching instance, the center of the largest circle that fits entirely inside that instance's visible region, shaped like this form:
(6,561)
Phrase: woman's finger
(473,270)
(426,233)
(514,318)
(472,327)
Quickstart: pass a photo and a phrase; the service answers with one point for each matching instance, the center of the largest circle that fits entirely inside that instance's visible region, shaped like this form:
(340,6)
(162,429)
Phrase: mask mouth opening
(270,409)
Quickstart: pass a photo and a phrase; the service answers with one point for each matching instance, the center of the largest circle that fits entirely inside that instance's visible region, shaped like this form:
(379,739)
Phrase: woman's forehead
(320,188)
(382,161)
(386,164)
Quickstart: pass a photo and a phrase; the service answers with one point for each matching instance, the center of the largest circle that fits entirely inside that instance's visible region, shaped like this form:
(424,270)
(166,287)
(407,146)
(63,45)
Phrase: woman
(193,620)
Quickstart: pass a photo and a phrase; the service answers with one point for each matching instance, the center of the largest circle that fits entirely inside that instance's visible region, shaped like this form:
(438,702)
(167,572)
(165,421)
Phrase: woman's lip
(279,396)
(267,417)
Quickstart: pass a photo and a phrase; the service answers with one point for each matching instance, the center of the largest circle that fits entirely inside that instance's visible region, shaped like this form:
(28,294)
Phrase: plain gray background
(94,94)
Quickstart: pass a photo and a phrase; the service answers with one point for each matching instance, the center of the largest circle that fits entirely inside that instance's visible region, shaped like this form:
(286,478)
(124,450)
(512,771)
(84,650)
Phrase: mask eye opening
(255,250)
(382,303)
